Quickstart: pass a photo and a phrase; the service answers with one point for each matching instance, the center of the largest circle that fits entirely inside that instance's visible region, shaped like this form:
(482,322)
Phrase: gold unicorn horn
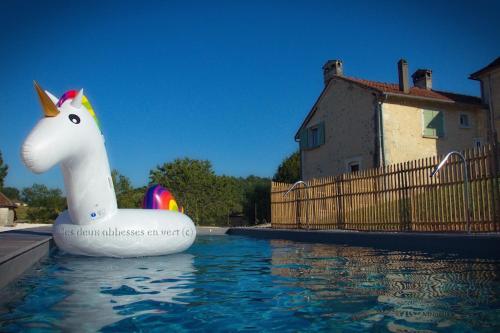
(49,108)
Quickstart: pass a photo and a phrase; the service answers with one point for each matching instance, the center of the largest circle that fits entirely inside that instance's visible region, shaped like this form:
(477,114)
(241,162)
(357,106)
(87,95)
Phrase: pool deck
(22,248)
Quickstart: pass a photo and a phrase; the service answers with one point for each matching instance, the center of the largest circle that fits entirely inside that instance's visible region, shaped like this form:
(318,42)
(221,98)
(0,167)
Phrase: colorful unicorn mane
(85,102)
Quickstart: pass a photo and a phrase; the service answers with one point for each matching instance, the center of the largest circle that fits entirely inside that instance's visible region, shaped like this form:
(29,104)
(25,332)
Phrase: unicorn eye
(74,118)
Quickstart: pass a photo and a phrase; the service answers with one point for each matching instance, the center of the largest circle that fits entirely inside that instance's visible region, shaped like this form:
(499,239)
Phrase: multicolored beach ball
(158,197)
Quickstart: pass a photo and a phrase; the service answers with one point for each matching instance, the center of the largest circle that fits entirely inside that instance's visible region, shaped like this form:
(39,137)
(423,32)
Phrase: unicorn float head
(70,134)
(67,122)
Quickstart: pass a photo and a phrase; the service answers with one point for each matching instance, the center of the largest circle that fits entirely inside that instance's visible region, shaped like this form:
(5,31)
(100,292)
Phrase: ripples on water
(229,283)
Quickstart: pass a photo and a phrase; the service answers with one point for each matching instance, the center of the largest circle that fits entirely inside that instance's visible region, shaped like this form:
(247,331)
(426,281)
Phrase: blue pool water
(230,283)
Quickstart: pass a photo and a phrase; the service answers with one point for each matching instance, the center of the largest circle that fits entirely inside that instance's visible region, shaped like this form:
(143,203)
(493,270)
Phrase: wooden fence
(399,197)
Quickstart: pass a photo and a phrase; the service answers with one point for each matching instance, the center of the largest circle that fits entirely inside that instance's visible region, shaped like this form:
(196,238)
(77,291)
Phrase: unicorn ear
(53,98)
(77,101)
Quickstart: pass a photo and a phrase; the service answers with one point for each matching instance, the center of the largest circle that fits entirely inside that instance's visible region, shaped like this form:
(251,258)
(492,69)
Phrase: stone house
(489,78)
(358,124)
(7,212)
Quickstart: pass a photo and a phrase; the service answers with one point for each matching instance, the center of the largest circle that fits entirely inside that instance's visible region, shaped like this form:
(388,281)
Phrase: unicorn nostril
(27,155)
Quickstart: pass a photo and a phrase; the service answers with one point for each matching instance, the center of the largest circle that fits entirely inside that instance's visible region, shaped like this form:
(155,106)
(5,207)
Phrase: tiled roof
(494,64)
(5,202)
(393,88)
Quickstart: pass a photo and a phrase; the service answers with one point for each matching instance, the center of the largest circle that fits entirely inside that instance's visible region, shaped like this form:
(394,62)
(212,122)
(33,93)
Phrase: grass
(22,214)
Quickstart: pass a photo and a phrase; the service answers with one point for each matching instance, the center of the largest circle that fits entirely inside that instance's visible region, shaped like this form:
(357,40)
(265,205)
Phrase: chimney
(404,85)
(332,68)
(422,78)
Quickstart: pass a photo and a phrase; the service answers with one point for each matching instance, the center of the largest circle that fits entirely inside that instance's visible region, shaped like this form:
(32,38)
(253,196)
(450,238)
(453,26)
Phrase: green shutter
(428,117)
(440,124)
(304,139)
(321,129)
(433,123)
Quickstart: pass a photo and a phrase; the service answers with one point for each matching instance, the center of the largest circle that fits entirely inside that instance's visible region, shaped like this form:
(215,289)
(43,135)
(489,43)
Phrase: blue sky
(225,81)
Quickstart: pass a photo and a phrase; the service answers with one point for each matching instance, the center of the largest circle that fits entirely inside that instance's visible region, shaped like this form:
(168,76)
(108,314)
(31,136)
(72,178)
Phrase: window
(478,142)
(433,126)
(464,120)
(353,164)
(313,136)
(353,167)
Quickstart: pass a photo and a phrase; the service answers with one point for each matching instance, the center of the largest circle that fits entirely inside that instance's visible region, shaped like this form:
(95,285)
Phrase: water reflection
(392,288)
(96,292)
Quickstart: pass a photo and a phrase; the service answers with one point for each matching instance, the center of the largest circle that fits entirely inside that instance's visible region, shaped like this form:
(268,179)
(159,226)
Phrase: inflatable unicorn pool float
(70,135)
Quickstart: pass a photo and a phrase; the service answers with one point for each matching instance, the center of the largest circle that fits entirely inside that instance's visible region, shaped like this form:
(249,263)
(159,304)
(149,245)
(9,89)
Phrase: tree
(289,170)
(226,198)
(44,203)
(126,195)
(257,199)
(233,193)
(12,193)
(208,198)
(192,183)
(3,171)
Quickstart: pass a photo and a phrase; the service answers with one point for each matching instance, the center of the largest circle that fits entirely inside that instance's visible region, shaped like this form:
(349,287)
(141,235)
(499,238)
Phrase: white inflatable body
(93,225)
(128,233)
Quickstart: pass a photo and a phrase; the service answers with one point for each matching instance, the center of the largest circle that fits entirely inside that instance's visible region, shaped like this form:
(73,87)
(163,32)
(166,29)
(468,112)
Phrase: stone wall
(403,130)
(348,112)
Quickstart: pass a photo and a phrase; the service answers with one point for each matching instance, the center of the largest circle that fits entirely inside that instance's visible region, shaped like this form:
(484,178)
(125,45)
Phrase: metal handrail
(307,197)
(466,182)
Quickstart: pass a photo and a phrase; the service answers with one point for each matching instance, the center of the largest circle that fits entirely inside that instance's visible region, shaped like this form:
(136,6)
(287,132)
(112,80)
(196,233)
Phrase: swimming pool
(233,283)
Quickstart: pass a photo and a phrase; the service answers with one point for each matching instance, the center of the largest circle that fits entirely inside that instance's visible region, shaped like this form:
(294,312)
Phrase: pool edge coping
(15,263)
(480,246)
